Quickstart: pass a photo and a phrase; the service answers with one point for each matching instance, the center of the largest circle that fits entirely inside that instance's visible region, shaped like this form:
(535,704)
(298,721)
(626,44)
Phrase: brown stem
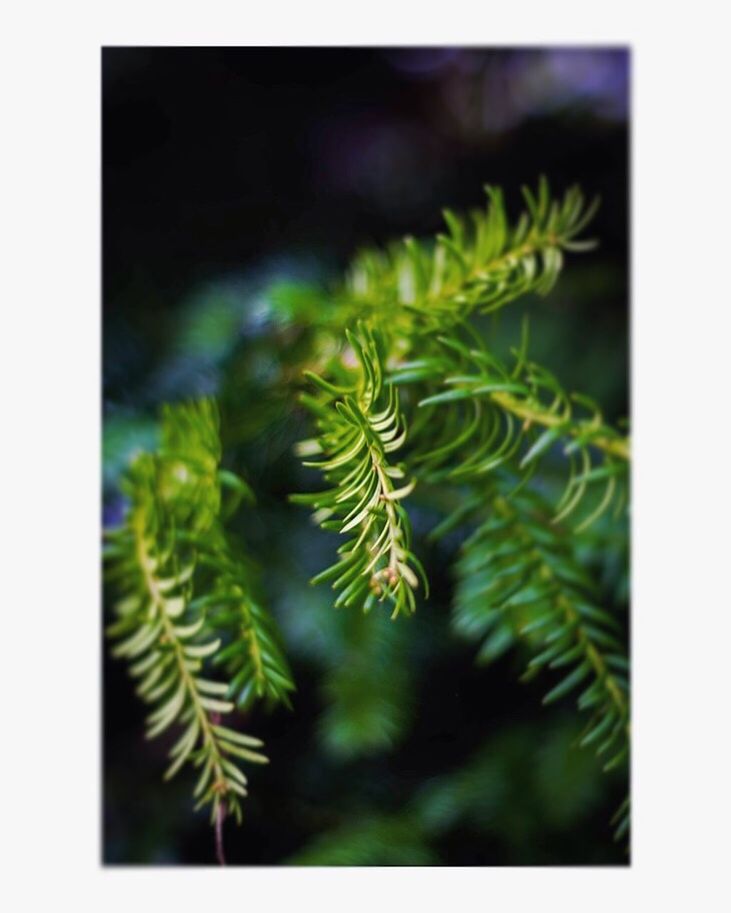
(220,815)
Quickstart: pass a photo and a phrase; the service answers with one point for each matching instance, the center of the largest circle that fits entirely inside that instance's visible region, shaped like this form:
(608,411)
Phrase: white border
(50,454)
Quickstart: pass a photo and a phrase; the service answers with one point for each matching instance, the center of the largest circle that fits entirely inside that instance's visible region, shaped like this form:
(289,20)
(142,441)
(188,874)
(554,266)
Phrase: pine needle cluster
(197,642)
(465,422)
(409,402)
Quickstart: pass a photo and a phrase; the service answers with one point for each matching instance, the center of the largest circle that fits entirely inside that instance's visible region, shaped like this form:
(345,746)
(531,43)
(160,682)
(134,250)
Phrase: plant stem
(220,815)
(619,447)
(146,564)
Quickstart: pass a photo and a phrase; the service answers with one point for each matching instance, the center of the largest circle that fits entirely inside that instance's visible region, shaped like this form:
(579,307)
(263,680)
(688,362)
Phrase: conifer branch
(517,577)
(398,379)
(518,580)
(253,657)
(484,398)
(168,659)
(480,263)
(360,426)
(155,560)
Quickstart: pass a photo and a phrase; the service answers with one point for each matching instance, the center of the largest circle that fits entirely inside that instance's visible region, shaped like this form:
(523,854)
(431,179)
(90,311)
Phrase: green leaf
(571,681)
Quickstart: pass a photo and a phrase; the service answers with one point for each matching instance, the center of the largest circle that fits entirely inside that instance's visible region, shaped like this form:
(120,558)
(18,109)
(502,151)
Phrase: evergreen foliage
(411,406)
(360,427)
(169,548)
(518,579)
(468,418)
(480,263)
(509,417)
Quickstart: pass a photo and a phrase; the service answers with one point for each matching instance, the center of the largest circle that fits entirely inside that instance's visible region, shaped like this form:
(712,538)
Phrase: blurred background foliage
(237,184)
